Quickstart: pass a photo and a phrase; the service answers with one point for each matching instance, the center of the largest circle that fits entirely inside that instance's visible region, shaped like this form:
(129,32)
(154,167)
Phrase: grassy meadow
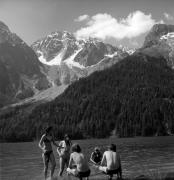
(149,158)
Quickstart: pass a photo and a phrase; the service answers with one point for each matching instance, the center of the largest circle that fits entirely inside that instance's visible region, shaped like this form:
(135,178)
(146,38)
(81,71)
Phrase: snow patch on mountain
(167,36)
(71,63)
(127,49)
(111,55)
(58,60)
(55,61)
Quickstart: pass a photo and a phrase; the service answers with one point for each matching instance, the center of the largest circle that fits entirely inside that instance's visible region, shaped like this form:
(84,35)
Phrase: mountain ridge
(160,43)
(74,58)
(21,72)
(19,64)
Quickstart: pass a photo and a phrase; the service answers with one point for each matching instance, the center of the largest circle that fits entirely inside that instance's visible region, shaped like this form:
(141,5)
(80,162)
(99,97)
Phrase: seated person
(113,162)
(96,156)
(78,160)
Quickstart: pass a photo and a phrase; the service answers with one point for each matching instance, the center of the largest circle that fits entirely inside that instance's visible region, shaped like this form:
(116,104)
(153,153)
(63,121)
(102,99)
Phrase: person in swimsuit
(78,164)
(96,156)
(113,162)
(47,155)
(64,153)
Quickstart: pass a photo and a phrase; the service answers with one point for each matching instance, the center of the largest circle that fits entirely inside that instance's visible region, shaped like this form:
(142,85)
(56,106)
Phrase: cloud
(134,42)
(104,26)
(82,18)
(168,16)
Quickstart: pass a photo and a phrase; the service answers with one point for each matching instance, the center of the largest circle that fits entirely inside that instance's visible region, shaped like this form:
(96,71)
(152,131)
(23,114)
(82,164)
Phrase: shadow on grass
(99,176)
(169,176)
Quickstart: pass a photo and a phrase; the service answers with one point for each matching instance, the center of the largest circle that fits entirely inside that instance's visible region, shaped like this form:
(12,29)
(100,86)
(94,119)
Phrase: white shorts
(72,171)
(103,168)
(76,173)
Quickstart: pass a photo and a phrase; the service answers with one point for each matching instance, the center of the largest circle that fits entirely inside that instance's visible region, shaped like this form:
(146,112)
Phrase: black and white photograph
(86,89)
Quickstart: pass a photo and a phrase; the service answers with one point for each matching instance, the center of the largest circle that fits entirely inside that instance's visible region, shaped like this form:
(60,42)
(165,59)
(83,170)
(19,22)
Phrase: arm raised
(41,142)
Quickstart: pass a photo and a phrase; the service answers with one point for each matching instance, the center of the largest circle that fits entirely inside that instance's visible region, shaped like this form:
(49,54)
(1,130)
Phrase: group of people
(71,156)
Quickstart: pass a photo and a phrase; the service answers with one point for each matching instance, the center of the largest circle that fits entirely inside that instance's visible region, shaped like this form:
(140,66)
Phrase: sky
(123,22)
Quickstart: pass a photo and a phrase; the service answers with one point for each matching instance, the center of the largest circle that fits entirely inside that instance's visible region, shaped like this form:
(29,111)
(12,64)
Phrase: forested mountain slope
(134,97)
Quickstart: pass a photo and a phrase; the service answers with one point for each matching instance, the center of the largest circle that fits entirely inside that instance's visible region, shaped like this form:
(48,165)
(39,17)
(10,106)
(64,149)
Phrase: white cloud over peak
(134,42)
(168,16)
(105,26)
(82,18)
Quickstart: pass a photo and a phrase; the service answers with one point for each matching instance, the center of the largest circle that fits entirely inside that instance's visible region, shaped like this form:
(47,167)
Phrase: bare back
(112,160)
(80,161)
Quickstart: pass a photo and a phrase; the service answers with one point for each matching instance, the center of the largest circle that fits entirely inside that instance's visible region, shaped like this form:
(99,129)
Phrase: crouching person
(113,163)
(78,165)
(96,156)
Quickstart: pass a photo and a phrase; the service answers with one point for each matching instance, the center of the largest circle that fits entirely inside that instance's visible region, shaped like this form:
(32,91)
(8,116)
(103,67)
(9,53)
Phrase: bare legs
(53,165)
(63,162)
(62,165)
(45,166)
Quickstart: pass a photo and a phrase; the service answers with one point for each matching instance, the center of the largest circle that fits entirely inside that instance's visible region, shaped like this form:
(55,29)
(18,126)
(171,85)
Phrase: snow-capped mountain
(69,58)
(157,31)
(55,47)
(160,42)
(20,71)
(168,39)
(168,36)
(126,49)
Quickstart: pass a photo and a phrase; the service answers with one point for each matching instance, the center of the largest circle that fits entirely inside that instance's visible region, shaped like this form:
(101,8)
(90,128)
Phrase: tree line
(135,97)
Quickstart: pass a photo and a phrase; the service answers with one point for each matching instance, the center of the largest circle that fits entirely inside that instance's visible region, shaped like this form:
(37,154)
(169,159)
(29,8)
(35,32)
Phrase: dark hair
(48,129)
(112,147)
(97,149)
(67,142)
(76,148)
(66,135)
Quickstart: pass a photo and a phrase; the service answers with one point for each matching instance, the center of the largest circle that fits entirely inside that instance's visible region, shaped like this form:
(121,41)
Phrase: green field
(142,156)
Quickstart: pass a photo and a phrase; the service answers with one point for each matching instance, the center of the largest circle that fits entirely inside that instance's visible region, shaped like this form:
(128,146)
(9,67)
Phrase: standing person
(78,164)
(113,162)
(96,156)
(47,155)
(64,153)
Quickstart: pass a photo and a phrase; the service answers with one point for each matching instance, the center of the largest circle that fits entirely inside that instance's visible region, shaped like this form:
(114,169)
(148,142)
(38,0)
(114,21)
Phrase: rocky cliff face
(160,42)
(20,71)
(155,34)
(68,59)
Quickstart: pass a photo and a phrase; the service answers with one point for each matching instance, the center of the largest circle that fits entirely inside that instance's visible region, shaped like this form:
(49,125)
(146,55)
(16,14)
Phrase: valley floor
(143,158)
(99,176)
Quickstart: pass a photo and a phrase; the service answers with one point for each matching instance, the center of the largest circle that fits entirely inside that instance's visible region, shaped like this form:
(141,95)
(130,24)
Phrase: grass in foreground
(99,176)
